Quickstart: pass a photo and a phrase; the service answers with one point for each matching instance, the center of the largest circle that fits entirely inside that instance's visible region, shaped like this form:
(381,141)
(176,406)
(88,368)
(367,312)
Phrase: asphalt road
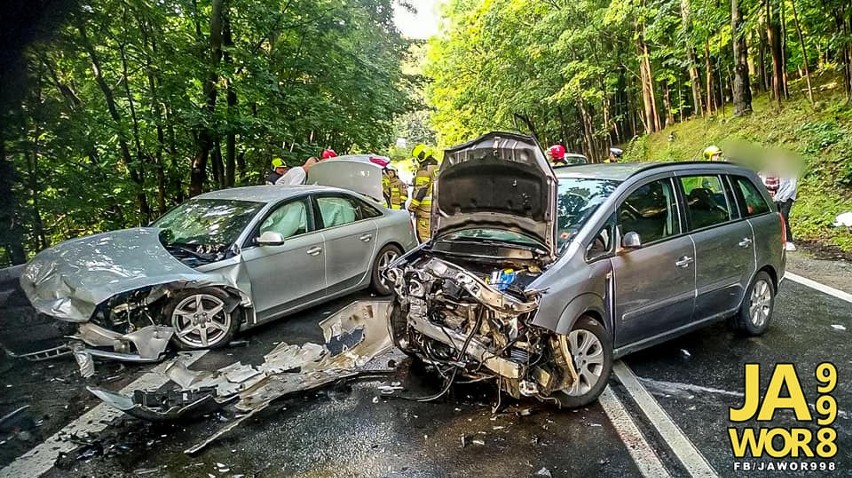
(665,413)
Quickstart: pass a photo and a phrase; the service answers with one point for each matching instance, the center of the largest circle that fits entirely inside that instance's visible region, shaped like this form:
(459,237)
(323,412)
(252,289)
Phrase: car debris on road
(354,337)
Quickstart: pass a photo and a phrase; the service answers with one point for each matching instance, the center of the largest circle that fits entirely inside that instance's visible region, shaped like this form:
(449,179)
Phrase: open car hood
(498,181)
(361,176)
(69,280)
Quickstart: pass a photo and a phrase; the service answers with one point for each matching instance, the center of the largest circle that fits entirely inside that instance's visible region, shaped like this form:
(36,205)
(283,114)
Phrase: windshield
(500,235)
(213,224)
(577,200)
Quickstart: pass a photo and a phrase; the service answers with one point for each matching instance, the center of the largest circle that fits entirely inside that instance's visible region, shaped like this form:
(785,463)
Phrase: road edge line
(40,459)
(819,286)
(640,450)
(685,451)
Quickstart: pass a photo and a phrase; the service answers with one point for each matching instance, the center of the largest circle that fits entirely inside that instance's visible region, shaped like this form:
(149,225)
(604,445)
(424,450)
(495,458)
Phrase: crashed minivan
(222,262)
(540,280)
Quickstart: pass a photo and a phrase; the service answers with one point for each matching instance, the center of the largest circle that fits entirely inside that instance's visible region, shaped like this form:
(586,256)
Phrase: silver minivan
(540,280)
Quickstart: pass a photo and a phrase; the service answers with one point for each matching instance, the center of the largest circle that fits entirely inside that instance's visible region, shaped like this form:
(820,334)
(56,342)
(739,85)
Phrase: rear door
(655,283)
(349,231)
(724,244)
(292,274)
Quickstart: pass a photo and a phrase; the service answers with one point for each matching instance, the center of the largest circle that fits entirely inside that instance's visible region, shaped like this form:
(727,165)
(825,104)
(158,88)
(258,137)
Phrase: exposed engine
(475,320)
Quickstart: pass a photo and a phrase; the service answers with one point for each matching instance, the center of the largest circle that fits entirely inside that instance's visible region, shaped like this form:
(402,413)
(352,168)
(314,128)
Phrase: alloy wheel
(385,260)
(588,354)
(760,303)
(201,321)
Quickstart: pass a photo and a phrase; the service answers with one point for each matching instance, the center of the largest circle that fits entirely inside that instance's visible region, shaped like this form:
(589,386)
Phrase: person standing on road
(713,153)
(614,155)
(296,175)
(785,197)
(278,170)
(556,153)
(396,190)
(421,202)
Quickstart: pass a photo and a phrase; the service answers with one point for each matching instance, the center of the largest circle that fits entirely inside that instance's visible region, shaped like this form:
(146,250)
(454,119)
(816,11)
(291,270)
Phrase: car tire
(589,346)
(755,313)
(386,255)
(210,328)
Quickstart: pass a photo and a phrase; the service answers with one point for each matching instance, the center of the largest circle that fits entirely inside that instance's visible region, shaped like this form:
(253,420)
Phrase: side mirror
(270,238)
(631,240)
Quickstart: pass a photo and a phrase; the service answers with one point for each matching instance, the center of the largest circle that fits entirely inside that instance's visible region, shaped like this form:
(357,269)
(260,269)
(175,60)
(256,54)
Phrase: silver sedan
(221,262)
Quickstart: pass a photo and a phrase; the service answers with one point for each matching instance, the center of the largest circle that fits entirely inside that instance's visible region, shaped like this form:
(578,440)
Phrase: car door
(655,282)
(350,239)
(290,275)
(724,244)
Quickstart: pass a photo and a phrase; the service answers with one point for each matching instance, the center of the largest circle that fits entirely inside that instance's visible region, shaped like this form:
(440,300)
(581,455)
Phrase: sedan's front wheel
(201,319)
(589,347)
(384,258)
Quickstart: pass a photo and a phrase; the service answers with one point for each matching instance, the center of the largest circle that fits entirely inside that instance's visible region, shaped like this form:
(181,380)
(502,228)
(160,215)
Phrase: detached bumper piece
(165,406)
(149,343)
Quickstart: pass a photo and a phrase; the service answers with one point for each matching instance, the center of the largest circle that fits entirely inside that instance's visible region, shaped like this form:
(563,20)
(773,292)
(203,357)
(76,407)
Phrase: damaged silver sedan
(222,262)
(539,281)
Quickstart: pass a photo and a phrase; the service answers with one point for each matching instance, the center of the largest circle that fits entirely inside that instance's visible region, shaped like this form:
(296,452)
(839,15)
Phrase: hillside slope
(820,135)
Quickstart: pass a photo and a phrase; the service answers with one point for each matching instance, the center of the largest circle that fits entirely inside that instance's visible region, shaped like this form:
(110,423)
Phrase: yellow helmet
(711,151)
(278,163)
(419,152)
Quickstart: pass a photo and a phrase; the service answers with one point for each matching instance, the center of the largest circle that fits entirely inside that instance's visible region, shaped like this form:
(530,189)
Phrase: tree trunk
(667,104)
(741,89)
(140,155)
(204,137)
(157,114)
(11,233)
(142,201)
(231,98)
(773,36)
(692,61)
(762,77)
(708,75)
(804,52)
(649,98)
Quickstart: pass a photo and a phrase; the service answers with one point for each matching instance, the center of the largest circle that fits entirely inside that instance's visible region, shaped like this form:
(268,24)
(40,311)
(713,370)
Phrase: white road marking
(692,459)
(41,459)
(643,455)
(820,287)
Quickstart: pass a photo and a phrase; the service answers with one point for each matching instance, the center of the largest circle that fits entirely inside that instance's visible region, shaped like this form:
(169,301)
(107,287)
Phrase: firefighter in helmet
(396,191)
(421,202)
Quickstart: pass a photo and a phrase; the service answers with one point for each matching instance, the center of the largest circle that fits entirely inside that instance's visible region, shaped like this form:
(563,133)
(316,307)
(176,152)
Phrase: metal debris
(354,336)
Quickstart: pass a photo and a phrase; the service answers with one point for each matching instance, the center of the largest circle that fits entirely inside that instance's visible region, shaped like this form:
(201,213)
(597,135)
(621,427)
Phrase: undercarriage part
(47,354)
(149,343)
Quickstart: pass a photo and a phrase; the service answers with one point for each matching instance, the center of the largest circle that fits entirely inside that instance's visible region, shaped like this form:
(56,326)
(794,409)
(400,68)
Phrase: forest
(595,73)
(128,107)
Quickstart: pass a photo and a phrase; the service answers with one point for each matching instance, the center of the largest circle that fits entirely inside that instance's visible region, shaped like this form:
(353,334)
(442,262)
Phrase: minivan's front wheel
(589,347)
(755,313)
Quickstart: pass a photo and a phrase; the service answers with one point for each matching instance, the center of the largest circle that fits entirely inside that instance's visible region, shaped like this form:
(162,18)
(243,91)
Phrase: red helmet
(557,152)
(328,153)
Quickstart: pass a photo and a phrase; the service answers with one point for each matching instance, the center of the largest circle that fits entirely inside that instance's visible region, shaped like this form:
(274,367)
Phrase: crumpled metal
(68,281)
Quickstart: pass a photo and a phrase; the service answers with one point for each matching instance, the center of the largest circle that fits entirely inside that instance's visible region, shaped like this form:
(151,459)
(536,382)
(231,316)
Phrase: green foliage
(93,144)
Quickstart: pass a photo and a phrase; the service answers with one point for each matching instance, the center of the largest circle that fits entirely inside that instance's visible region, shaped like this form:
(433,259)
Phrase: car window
(706,202)
(289,220)
(339,210)
(749,196)
(650,211)
(601,245)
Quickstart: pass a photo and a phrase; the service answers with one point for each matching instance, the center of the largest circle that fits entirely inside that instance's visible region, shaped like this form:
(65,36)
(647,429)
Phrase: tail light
(783,230)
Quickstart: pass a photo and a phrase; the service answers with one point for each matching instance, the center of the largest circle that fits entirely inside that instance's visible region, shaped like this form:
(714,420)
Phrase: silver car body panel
(361,176)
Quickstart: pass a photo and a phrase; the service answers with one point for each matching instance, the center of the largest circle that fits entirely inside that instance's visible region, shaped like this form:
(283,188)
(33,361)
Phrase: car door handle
(314,251)
(684,262)
(366,237)
(745,242)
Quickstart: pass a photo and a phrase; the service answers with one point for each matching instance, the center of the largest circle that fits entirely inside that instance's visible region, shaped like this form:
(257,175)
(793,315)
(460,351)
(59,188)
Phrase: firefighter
(278,170)
(556,153)
(396,191)
(421,202)
(713,153)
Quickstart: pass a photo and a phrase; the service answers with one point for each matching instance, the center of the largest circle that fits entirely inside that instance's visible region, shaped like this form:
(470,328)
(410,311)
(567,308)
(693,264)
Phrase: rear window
(706,202)
(749,197)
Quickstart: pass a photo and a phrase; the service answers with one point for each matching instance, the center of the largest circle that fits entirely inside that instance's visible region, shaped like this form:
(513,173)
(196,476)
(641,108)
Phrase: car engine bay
(473,317)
